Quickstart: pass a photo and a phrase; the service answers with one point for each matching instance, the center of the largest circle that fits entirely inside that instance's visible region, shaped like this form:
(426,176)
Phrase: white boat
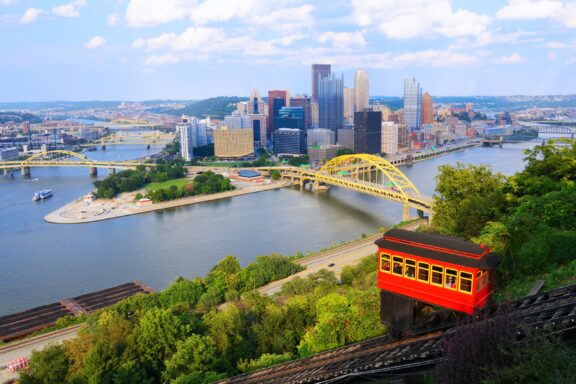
(43,194)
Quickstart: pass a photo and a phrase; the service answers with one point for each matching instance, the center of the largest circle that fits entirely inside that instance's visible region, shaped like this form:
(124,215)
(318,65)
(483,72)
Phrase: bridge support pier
(25,171)
(148,146)
(93,171)
(103,147)
(112,171)
(406,213)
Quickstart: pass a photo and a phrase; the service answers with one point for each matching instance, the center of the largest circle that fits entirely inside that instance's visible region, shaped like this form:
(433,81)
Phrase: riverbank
(80,212)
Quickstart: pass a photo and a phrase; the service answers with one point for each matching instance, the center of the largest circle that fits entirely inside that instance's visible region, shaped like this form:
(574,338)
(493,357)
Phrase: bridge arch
(40,155)
(363,162)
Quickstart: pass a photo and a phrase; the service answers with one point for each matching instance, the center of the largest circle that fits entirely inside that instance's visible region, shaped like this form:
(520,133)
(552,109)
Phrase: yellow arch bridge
(366,174)
(61,158)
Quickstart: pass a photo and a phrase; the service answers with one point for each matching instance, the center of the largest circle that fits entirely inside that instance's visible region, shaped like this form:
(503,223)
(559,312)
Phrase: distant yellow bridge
(366,174)
(61,158)
(121,138)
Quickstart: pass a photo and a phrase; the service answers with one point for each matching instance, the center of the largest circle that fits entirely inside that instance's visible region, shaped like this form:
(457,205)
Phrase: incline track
(554,309)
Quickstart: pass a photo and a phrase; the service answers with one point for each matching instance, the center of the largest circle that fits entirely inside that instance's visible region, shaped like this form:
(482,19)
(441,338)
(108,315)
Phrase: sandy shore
(79,212)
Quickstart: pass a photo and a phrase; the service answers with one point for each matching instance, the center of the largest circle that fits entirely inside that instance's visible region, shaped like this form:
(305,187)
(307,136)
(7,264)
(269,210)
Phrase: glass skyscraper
(331,103)
(412,104)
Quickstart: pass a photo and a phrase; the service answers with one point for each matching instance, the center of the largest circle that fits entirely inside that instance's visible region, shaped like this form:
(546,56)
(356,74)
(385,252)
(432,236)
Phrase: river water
(41,263)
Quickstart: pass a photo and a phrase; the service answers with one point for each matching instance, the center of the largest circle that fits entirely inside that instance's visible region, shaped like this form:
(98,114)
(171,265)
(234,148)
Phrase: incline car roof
(437,247)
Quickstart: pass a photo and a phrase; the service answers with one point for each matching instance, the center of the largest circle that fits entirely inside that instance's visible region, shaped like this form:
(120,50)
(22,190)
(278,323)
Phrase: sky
(195,49)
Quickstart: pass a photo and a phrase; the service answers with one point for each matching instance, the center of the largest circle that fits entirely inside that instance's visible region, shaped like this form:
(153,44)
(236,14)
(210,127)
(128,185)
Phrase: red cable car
(419,270)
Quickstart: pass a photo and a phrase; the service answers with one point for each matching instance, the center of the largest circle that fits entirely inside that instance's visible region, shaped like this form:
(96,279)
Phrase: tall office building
(259,122)
(289,141)
(367,131)
(305,103)
(255,103)
(403,138)
(331,103)
(276,100)
(288,120)
(361,91)
(233,143)
(427,109)
(320,137)
(237,120)
(315,120)
(389,143)
(412,104)
(319,71)
(349,105)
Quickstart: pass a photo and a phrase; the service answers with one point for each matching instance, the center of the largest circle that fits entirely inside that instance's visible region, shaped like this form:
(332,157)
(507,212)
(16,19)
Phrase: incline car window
(423,272)
(384,262)
(437,273)
(398,266)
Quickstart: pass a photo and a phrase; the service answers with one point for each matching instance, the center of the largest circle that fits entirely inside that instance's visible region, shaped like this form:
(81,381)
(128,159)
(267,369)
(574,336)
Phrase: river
(41,263)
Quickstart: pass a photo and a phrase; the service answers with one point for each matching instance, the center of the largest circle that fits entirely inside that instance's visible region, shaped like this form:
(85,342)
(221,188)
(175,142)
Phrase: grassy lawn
(166,184)
(219,164)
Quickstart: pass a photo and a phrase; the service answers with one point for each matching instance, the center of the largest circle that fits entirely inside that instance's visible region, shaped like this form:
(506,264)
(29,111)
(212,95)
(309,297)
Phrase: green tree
(466,198)
(275,174)
(46,367)
(196,354)
(156,335)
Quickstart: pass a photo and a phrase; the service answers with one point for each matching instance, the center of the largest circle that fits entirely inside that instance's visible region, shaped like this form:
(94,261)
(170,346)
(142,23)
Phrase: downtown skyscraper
(361,91)
(412,104)
(319,71)
(331,103)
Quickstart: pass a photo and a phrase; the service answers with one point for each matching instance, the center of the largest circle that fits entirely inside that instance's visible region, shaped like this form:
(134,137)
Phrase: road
(335,259)
(25,347)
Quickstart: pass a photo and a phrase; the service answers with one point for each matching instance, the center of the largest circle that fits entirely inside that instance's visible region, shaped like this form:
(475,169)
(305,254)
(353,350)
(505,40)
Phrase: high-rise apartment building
(367,131)
(277,99)
(331,103)
(412,104)
(192,135)
(427,109)
(319,71)
(349,105)
(361,91)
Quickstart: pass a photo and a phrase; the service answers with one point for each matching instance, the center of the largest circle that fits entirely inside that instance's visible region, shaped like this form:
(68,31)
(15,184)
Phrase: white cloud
(426,58)
(555,45)
(284,19)
(71,9)
(162,59)
(198,39)
(148,13)
(511,59)
(551,56)
(6,2)
(405,19)
(31,15)
(343,40)
(138,43)
(95,42)
(561,11)
(529,9)
(112,19)
(223,10)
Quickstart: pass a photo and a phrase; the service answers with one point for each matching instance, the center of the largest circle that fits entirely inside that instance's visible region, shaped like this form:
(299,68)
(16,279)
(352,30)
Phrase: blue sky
(193,49)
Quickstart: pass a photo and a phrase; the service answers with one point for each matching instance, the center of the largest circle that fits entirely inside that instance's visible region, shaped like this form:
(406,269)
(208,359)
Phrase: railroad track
(555,310)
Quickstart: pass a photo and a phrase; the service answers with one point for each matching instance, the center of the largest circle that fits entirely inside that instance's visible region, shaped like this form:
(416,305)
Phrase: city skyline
(193,49)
